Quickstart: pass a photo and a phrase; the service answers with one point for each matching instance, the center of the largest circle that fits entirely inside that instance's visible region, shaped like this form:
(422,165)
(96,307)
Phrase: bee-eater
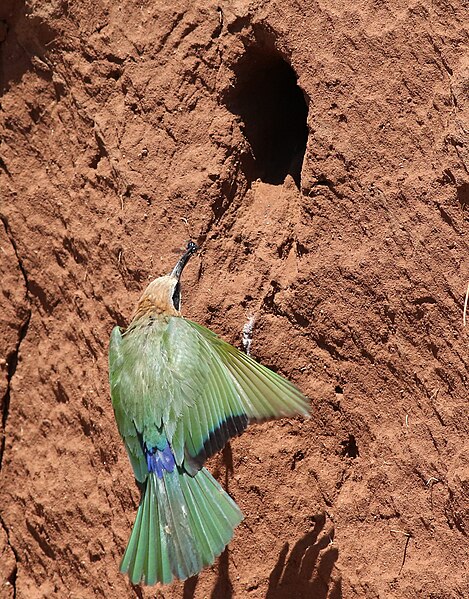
(179,393)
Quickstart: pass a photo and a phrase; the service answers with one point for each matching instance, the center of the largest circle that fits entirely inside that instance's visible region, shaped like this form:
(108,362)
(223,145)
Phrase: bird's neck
(151,304)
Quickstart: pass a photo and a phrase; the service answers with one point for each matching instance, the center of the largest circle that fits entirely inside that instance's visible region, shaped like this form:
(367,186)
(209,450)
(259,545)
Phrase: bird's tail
(183,523)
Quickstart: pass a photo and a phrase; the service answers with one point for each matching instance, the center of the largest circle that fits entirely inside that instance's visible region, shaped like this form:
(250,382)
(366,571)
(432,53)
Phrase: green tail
(183,523)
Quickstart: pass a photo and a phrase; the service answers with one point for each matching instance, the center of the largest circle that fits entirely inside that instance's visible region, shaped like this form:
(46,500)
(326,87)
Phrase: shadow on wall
(307,571)
(305,574)
(21,37)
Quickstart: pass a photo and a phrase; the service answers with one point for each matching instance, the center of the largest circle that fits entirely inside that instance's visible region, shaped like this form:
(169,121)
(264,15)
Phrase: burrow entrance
(274,115)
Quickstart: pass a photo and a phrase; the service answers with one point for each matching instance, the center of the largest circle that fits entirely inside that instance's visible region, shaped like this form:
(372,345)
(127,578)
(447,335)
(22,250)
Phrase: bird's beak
(183,260)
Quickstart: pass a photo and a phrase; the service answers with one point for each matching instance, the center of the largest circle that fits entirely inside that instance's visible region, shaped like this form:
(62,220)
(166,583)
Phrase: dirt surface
(128,128)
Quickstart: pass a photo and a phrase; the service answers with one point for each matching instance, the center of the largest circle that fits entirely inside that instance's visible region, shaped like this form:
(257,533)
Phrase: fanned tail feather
(183,523)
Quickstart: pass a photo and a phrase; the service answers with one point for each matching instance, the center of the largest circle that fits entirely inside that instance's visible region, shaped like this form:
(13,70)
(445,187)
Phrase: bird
(179,393)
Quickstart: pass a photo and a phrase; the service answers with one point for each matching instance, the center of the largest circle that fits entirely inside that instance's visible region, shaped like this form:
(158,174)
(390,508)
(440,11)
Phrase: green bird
(179,393)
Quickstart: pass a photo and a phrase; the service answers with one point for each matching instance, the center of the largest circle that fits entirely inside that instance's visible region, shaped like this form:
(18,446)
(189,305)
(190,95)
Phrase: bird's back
(150,373)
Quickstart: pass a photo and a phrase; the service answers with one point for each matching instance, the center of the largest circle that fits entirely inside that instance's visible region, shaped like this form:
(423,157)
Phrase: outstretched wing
(236,390)
(264,394)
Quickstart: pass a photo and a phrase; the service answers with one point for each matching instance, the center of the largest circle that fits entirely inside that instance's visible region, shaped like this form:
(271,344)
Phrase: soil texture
(318,153)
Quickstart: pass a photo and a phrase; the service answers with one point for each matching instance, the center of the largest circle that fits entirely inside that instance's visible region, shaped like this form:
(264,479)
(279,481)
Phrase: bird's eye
(177,296)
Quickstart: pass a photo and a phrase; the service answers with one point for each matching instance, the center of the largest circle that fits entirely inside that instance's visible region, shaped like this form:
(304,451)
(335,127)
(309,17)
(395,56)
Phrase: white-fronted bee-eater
(179,394)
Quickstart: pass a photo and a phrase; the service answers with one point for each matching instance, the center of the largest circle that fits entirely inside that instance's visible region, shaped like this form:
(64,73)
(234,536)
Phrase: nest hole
(273,113)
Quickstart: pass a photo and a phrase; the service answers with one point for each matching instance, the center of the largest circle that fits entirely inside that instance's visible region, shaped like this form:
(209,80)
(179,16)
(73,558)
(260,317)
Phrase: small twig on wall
(430,482)
(465,306)
(409,536)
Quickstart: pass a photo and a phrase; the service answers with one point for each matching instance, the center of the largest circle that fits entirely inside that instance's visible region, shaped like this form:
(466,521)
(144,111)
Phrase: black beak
(184,259)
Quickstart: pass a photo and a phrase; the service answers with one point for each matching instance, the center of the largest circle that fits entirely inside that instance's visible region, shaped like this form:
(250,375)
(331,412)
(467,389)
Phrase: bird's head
(163,295)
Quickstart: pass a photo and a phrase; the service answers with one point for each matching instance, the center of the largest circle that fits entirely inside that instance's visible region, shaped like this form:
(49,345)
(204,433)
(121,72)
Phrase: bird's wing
(234,390)
(212,410)
(264,394)
(125,423)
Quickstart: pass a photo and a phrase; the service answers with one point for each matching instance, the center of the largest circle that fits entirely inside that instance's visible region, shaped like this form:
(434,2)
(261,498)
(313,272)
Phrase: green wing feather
(125,424)
(215,411)
(232,390)
(263,393)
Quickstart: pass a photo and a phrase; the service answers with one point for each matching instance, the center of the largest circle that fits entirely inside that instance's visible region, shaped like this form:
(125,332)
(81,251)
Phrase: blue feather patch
(159,460)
